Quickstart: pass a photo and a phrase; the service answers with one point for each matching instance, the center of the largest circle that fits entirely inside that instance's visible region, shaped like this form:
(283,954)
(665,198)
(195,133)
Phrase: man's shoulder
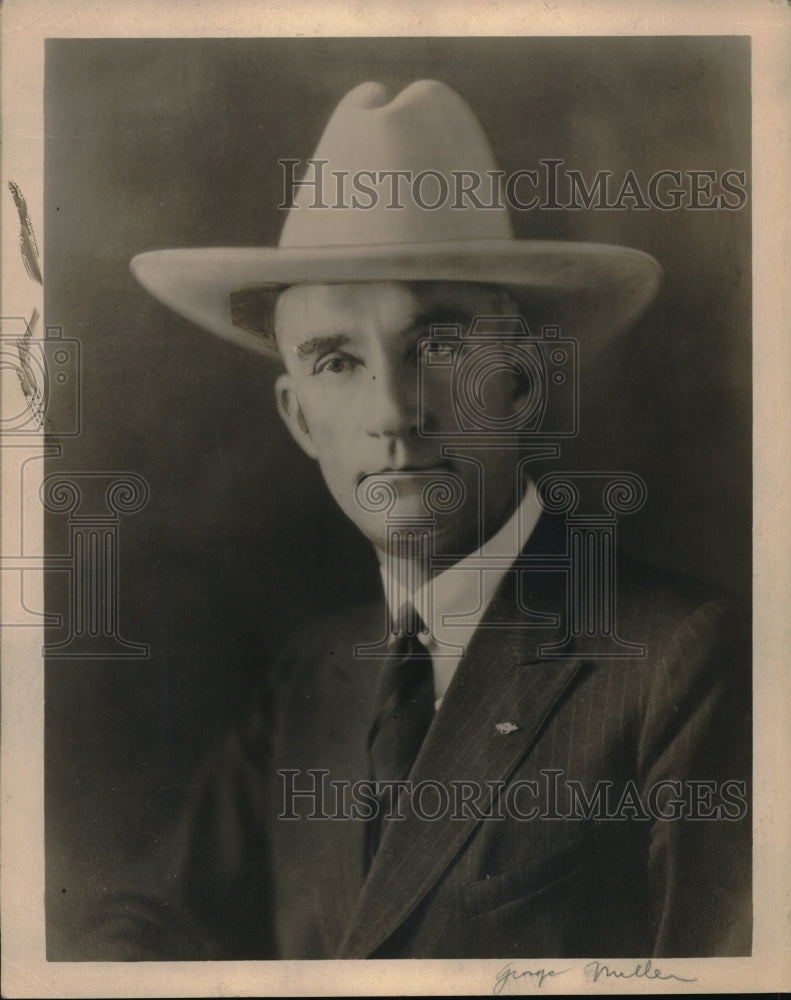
(664,598)
(323,641)
(642,590)
(317,634)
(696,636)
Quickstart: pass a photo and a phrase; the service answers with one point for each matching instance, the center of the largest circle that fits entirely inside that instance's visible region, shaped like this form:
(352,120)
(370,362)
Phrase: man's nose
(393,402)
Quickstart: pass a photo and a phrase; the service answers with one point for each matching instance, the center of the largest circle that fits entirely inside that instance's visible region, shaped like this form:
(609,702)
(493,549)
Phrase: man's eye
(335,364)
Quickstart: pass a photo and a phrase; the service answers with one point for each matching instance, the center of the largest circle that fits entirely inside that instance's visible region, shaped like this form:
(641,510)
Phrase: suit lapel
(500,681)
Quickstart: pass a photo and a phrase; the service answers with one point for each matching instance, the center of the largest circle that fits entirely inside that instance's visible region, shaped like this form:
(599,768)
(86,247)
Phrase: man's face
(350,399)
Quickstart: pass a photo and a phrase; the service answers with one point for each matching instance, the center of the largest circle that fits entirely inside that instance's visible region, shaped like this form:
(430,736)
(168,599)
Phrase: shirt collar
(459,596)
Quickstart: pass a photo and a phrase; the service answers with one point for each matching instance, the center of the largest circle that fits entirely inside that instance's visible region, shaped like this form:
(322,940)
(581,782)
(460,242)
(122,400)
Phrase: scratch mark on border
(27,237)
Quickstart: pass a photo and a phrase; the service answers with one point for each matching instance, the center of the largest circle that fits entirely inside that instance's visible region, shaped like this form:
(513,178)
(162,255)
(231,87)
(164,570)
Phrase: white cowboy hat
(427,129)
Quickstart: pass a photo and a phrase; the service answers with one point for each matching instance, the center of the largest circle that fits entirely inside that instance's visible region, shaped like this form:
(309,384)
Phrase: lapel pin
(504,728)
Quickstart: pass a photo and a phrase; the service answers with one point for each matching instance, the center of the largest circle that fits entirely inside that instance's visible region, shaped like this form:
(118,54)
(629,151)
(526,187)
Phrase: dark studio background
(169,143)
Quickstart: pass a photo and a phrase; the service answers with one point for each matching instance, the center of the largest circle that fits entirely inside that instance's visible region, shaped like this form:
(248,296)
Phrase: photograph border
(26,24)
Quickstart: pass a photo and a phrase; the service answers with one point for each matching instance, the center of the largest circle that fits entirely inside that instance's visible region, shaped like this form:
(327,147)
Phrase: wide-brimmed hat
(385,201)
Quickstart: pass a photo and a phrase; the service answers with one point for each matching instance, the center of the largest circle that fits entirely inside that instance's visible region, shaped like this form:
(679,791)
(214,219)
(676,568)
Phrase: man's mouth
(434,487)
(406,470)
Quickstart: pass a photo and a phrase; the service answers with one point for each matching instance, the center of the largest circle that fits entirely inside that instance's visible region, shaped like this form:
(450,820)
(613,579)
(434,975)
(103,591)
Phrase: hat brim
(599,288)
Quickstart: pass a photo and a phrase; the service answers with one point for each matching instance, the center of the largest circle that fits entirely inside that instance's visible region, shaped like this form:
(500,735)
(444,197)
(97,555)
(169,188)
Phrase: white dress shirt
(460,595)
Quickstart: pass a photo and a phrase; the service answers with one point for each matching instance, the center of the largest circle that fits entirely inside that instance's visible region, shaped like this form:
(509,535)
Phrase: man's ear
(291,413)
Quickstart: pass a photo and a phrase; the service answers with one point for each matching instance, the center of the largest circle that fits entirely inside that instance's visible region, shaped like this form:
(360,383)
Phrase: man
(524,747)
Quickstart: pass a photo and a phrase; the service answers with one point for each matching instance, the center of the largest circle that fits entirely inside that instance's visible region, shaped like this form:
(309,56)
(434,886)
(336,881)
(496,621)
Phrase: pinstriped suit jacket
(485,880)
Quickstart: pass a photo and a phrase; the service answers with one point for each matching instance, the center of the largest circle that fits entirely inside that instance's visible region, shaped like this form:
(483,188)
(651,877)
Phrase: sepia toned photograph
(389,415)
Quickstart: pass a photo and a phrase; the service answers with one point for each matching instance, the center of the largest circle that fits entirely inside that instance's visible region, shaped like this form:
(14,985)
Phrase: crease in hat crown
(598,288)
(427,129)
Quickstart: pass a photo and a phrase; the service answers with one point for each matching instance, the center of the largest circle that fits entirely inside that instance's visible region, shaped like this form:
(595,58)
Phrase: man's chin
(414,535)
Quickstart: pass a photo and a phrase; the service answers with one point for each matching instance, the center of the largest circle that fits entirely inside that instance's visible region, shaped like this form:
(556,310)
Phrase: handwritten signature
(643,970)
(594,971)
(535,977)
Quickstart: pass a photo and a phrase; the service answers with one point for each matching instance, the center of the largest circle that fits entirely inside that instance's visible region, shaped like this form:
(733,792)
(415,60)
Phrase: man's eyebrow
(317,345)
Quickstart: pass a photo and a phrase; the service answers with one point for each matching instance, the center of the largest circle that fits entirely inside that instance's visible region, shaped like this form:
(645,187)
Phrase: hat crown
(427,129)
(352,195)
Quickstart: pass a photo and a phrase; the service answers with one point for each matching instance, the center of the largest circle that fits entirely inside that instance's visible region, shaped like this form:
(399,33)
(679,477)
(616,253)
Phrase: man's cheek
(327,411)
(435,399)
(335,459)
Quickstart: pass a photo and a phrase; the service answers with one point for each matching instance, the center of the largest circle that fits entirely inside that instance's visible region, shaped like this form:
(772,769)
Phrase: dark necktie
(405,708)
